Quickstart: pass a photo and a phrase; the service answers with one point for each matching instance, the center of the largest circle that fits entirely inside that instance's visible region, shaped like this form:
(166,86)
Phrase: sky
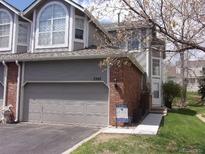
(20,4)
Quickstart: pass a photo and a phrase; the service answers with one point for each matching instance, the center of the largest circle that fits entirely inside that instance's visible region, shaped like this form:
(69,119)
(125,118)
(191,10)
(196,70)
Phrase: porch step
(160,110)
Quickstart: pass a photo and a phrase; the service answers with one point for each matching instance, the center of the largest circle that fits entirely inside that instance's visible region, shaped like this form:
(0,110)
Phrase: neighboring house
(194,72)
(50,69)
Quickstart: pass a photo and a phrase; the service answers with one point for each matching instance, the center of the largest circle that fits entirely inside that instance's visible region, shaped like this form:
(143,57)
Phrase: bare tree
(180,22)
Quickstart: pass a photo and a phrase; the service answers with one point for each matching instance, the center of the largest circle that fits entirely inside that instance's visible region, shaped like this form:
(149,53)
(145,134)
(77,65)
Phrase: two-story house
(141,40)
(50,67)
(194,71)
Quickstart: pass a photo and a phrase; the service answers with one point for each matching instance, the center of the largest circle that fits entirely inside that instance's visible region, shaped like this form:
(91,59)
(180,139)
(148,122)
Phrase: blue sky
(20,4)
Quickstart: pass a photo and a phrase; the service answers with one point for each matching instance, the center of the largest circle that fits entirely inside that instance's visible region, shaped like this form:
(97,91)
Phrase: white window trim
(160,65)
(10,33)
(79,40)
(66,28)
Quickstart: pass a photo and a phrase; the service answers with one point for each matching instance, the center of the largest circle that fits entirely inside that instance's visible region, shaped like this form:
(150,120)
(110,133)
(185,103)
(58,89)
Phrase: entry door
(156,93)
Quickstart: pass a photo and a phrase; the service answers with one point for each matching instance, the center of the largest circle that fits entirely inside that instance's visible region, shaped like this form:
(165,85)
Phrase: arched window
(5,29)
(52,24)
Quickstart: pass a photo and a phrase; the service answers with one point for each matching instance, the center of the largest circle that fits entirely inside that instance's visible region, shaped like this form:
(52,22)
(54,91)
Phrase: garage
(78,104)
(52,95)
(1,84)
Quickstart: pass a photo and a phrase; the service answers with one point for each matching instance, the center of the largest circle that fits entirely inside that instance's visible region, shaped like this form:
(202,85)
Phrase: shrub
(202,88)
(171,91)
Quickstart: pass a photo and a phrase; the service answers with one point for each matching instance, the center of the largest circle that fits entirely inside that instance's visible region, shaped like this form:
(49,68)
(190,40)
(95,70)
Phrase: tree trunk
(184,80)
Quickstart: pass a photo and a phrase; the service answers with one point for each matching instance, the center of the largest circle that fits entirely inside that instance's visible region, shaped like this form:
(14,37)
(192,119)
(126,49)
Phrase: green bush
(171,91)
(202,88)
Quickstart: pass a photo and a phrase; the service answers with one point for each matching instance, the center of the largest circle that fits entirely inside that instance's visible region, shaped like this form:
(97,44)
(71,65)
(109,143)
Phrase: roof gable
(35,3)
(74,4)
(10,7)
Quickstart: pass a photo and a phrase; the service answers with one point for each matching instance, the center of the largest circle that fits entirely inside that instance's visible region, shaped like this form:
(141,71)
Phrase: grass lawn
(181,132)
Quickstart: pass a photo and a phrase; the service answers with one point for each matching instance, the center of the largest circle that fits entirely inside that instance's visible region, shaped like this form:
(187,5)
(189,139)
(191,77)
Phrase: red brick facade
(125,88)
(12,76)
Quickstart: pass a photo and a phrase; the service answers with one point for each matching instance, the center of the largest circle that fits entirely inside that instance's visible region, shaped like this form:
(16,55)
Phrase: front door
(156,93)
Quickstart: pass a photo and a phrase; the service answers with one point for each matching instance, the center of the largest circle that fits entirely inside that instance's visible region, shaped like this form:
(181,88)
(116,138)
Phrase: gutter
(22,16)
(5,82)
(18,91)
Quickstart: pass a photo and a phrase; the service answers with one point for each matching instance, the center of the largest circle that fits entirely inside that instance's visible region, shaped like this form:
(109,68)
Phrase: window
(133,44)
(155,67)
(23,38)
(52,26)
(156,90)
(5,30)
(79,28)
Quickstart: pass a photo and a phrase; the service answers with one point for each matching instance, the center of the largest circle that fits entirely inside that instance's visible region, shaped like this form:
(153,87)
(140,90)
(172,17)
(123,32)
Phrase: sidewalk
(149,126)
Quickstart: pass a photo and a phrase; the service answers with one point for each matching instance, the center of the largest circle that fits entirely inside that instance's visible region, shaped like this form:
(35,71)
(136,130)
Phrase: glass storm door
(156,93)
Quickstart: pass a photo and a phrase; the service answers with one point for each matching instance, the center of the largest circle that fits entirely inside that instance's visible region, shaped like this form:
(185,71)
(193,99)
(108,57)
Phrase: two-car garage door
(64,102)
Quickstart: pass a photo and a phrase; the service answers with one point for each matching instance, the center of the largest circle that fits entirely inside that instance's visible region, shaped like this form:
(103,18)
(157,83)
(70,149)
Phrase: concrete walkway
(149,126)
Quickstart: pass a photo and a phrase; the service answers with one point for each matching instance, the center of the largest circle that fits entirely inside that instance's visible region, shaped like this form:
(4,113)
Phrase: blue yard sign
(122,114)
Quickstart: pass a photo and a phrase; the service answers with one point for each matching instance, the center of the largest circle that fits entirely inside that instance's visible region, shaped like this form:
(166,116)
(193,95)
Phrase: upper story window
(5,30)
(156,67)
(133,44)
(79,27)
(52,27)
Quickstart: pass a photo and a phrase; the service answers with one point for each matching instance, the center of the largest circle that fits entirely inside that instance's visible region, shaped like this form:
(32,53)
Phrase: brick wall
(12,86)
(127,90)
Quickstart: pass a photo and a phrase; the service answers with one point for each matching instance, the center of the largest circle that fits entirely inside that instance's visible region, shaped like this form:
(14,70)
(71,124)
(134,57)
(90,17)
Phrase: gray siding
(71,70)
(22,49)
(94,38)
(78,46)
(78,104)
(142,59)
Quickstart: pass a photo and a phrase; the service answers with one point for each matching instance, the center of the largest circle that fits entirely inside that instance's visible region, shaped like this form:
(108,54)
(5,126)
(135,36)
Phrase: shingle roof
(49,55)
(66,55)
(126,25)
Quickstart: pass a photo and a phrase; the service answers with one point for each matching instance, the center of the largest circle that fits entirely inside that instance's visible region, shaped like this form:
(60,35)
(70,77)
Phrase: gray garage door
(69,103)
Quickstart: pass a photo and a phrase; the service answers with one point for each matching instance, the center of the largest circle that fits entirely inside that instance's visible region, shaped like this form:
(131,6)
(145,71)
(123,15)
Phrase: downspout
(5,82)
(18,91)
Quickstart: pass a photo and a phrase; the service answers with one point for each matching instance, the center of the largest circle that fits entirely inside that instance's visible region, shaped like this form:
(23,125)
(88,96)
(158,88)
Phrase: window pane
(44,39)
(45,26)
(79,34)
(58,11)
(79,23)
(4,30)
(156,90)
(133,44)
(58,37)
(156,67)
(59,25)
(4,17)
(47,13)
(4,42)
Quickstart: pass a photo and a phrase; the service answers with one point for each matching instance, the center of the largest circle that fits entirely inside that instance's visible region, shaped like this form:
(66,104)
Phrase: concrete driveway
(40,139)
